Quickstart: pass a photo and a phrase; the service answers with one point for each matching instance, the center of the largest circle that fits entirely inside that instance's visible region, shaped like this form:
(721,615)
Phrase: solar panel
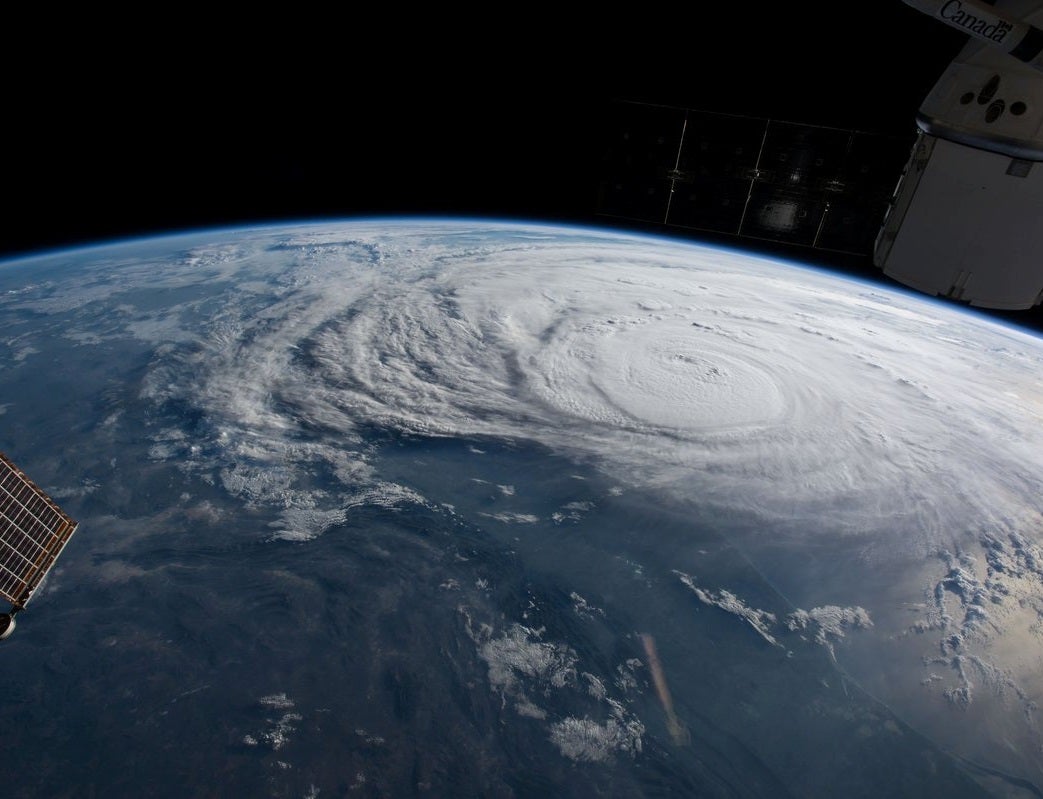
(33,533)
(807,185)
(641,144)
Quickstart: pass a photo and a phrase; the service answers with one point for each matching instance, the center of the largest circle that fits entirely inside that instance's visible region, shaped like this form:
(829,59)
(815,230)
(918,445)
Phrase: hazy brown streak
(677,730)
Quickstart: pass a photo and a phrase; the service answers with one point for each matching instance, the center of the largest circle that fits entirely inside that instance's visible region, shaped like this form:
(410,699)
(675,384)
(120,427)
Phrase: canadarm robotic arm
(981,20)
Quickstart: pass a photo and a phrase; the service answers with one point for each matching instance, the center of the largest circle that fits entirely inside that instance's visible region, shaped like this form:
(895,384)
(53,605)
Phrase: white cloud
(590,741)
(760,620)
(829,623)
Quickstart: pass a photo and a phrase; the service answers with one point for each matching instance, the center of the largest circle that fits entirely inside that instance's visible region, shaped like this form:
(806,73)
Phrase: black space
(114,128)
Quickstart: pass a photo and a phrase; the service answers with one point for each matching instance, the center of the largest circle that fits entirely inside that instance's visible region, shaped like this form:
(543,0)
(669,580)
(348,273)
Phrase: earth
(504,509)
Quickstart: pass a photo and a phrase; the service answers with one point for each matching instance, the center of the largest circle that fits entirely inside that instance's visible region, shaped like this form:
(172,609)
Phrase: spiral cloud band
(821,463)
(770,387)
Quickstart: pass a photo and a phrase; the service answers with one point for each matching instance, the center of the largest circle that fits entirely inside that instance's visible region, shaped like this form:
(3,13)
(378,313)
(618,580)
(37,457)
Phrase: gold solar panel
(33,533)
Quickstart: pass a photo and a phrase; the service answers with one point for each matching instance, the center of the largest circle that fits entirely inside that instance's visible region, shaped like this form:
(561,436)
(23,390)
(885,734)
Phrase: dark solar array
(800,184)
(33,531)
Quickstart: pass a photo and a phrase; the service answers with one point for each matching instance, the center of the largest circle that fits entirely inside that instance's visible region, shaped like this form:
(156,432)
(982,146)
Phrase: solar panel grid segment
(806,185)
(33,532)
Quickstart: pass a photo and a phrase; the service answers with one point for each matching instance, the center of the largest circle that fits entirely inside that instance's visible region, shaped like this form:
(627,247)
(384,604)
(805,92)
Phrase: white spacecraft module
(966,220)
(33,533)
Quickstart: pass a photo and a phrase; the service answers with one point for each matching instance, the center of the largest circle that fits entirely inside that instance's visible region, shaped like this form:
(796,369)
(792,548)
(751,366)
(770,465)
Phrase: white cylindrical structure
(965,224)
(966,220)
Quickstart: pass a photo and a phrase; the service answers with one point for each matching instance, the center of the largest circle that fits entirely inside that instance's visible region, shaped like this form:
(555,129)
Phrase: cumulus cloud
(760,620)
(827,624)
(277,731)
(587,740)
(510,517)
(519,652)
(523,667)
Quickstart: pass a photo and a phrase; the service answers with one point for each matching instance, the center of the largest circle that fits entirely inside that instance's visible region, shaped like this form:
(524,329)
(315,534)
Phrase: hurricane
(474,506)
(780,391)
